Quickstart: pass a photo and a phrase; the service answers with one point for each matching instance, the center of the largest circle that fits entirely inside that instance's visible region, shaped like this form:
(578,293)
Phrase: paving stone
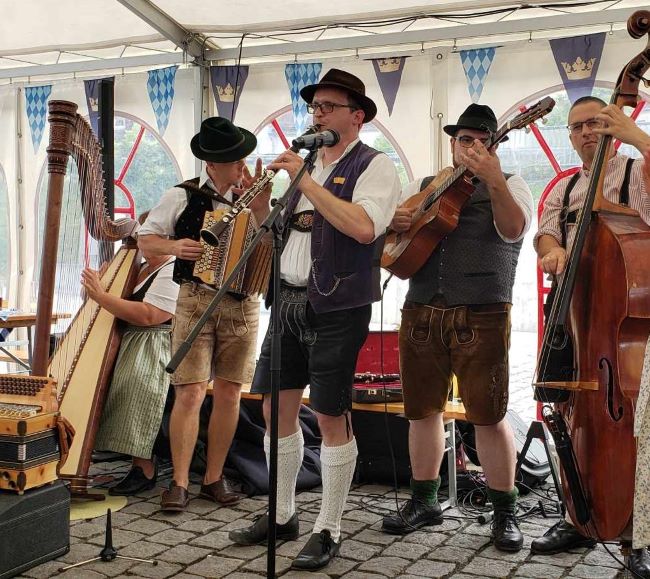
(86,530)
(388,566)
(532,530)
(478,529)
(143,550)
(600,557)
(493,553)
(375,537)
(201,506)
(174,518)
(282,565)
(592,572)
(539,570)
(118,519)
(216,540)
(372,490)
(410,551)
(351,527)
(245,575)
(252,505)
(426,538)
(361,575)
(358,550)
(362,516)
(246,552)
(199,526)
(451,554)
(184,554)
(79,552)
(338,567)
(224,514)
(45,570)
(121,538)
(79,573)
(474,542)
(172,537)
(568,559)
(111,568)
(431,568)
(142,508)
(489,567)
(159,571)
(147,526)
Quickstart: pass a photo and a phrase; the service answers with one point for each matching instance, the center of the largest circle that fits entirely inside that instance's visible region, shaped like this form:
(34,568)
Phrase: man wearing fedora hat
(224,351)
(329,281)
(456,321)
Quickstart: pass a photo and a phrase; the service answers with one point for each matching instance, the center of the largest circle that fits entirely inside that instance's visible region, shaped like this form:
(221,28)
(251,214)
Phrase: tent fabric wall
(431,85)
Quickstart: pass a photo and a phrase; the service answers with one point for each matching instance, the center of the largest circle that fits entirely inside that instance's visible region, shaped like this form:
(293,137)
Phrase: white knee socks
(338,464)
(290,455)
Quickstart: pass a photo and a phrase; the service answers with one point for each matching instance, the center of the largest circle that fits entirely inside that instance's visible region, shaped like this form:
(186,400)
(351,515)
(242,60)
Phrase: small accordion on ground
(34,439)
(217,262)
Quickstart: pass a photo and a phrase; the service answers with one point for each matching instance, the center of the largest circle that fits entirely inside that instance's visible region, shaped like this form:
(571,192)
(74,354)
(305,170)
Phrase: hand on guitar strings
(482,163)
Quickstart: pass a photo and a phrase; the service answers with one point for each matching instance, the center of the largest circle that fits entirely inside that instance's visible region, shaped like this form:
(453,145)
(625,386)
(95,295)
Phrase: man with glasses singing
(456,321)
(330,278)
(626,181)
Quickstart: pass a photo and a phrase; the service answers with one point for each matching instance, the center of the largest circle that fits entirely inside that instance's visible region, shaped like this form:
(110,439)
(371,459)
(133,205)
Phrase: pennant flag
(577,61)
(160,87)
(299,76)
(389,75)
(227,86)
(476,63)
(36,98)
(92,100)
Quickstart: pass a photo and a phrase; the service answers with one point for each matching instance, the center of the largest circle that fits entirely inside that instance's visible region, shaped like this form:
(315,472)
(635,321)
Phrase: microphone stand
(276,225)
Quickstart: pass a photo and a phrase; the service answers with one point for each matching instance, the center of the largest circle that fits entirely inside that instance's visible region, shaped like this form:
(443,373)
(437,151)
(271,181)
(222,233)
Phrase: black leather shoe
(413,515)
(639,563)
(134,482)
(317,552)
(506,535)
(560,538)
(257,533)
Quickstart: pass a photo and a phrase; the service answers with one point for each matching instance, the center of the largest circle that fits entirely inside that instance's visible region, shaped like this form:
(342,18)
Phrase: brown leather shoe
(175,499)
(220,492)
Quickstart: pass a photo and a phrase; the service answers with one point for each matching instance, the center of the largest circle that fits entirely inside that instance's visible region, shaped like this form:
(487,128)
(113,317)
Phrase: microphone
(310,131)
(327,138)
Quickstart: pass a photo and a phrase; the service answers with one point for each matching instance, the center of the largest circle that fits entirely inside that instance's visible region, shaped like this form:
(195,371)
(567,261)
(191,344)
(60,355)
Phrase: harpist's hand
(92,284)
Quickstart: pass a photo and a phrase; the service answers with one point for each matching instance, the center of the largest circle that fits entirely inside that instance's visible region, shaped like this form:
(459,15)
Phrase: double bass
(602,306)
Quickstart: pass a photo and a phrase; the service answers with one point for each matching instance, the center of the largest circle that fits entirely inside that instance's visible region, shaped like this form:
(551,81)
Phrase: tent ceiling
(100,34)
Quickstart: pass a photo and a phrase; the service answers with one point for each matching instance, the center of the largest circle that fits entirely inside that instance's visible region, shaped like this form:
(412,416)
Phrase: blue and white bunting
(36,98)
(476,64)
(160,87)
(299,76)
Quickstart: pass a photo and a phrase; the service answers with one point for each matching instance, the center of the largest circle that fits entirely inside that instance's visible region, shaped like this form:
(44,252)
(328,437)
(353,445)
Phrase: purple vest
(345,273)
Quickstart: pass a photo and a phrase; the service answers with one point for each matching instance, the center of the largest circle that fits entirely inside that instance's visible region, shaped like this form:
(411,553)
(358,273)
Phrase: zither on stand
(275,224)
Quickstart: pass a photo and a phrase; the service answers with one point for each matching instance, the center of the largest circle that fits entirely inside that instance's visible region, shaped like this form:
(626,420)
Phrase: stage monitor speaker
(34,527)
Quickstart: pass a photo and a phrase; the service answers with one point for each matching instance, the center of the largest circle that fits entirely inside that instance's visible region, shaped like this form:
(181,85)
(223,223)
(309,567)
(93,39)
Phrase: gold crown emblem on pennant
(580,69)
(226,94)
(389,64)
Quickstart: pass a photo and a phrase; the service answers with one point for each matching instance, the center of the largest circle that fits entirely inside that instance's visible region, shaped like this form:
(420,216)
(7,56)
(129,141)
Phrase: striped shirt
(549,223)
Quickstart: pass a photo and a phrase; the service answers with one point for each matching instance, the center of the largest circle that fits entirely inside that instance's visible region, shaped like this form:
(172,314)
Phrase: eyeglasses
(576,128)
(466,141)
(326,108)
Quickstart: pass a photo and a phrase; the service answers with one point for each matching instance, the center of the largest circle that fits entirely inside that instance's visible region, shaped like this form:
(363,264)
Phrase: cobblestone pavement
(195,544)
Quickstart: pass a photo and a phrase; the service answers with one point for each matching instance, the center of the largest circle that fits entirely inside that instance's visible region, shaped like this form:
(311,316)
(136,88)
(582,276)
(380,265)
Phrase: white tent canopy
(42,38)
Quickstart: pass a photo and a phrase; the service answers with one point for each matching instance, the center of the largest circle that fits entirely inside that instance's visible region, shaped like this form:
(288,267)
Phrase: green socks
(425,491)
(503,500)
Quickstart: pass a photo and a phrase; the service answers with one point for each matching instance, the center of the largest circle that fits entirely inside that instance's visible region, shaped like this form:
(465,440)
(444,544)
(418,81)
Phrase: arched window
(144,168)
(5,246)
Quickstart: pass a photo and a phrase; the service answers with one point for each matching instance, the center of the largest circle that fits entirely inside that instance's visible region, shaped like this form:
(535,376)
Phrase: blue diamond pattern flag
(36,101)
(476,63)
(227,86)
(389,75)
(298,77)
(577,59)
(92,100)
(160,87)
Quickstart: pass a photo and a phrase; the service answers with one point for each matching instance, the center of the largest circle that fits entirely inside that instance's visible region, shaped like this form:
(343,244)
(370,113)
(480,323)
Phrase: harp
(83,358)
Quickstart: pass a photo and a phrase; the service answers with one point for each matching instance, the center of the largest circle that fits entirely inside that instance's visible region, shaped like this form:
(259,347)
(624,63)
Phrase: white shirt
(163,217)
(518,189)
(163,291)
(376,191)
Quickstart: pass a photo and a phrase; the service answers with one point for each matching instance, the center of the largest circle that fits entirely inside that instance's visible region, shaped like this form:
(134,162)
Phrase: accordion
(217,262)
(33,437)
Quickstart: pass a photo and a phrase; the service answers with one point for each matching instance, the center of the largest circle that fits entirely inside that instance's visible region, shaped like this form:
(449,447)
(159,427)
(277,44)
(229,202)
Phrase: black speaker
(34,527)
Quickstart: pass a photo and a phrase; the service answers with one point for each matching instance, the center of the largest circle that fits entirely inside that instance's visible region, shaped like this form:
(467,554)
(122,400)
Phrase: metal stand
(108,553)
(275,224)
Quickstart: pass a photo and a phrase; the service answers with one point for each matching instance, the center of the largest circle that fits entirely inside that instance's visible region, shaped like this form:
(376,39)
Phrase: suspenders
(567,217)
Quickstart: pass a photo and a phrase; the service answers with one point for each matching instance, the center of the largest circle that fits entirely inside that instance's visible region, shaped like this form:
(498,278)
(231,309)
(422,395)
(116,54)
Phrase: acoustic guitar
(438,206)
